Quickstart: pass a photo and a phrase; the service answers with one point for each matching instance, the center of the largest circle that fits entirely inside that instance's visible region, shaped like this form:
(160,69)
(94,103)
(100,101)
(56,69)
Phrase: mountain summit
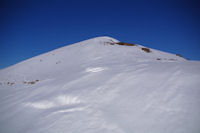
(101,85)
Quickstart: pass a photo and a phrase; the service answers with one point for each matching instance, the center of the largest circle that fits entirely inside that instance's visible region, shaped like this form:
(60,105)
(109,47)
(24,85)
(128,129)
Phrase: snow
(95,87)
(58,101)
(95,69)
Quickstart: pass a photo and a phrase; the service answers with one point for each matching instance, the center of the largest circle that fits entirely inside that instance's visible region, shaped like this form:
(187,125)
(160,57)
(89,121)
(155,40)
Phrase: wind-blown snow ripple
(95,69)
(58,101)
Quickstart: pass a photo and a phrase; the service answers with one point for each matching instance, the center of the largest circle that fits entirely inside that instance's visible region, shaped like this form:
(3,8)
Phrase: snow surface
(95,87)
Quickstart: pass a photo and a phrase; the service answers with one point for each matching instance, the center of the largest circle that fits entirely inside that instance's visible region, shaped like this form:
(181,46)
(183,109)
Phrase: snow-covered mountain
(101,85)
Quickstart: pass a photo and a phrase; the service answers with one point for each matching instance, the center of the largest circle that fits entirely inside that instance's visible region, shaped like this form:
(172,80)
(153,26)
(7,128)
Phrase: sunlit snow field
(95,87)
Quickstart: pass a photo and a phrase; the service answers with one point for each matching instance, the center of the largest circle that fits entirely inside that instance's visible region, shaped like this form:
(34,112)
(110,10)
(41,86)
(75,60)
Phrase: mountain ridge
(92,48)
(102,40)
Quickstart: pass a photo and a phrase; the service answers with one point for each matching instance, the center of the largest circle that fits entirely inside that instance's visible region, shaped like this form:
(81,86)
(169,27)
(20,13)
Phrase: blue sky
(32,27)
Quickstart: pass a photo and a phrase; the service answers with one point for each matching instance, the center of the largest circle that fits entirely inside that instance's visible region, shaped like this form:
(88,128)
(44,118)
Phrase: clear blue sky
(32,27)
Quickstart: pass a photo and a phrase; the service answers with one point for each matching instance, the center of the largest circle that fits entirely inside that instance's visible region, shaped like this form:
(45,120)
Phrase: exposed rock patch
(122,43)
(147,50)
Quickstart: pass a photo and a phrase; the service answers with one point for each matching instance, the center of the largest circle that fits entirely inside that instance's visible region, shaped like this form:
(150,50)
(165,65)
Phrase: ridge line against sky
(33,27)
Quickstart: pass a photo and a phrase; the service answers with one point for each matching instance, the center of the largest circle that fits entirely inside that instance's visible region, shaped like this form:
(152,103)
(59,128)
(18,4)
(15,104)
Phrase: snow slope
(95,87)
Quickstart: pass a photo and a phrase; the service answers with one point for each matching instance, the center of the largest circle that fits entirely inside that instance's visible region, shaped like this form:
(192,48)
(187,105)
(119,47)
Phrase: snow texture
(96,87)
